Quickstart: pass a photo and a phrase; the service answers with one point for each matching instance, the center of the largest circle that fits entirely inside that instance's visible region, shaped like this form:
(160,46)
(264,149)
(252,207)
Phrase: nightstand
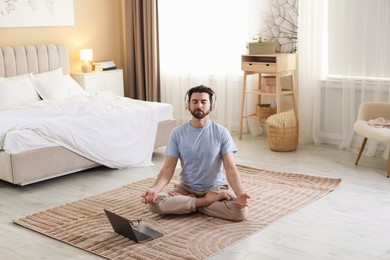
(111,80)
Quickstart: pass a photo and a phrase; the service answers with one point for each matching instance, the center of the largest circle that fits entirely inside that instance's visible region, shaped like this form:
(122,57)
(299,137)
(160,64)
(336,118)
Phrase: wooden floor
(353,222)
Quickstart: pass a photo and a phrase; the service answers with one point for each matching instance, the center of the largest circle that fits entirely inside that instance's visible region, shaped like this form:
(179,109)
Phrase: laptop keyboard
(141,236)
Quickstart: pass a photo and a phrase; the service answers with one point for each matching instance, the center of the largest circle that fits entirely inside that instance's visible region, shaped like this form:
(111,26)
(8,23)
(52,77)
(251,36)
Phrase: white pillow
(52,73)
(57,87)
(17,91)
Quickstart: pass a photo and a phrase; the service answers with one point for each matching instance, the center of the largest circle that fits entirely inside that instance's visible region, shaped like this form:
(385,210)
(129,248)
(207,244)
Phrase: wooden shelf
(283,92)
(280,65)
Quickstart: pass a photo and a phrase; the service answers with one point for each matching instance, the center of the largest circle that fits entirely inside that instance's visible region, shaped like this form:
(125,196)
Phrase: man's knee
(225,210)
(155,207)
(239,214)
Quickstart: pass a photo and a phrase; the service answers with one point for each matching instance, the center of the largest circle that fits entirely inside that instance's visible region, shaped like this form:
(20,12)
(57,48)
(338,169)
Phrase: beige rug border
(33,222)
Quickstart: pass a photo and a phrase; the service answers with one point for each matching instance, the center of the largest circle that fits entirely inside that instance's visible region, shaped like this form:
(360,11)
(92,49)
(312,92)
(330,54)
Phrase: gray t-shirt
(200,152)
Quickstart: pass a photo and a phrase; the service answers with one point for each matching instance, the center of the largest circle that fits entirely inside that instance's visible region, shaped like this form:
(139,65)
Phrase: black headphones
(201,89)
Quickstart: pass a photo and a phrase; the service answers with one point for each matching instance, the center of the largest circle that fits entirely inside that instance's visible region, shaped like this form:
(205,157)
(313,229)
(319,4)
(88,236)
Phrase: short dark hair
(200,89)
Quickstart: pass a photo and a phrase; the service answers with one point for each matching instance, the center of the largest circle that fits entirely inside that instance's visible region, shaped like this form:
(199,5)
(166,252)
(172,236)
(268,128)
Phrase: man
(202,147)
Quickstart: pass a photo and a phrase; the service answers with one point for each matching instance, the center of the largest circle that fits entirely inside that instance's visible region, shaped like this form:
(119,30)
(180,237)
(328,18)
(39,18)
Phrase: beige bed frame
(45,163)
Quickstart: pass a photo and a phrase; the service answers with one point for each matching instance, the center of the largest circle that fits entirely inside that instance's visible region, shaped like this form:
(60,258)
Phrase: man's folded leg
(226,210)
(167,204)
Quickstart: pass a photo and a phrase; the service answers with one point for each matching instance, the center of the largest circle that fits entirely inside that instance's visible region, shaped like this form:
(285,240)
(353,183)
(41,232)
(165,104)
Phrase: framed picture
(22,13)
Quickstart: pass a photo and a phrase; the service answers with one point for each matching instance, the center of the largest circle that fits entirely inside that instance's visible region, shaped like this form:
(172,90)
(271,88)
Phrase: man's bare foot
(210,198)
(213,197)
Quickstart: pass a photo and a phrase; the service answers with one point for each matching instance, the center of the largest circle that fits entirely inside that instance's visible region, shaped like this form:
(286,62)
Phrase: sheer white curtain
(201,42)
(344,60)
(312,59)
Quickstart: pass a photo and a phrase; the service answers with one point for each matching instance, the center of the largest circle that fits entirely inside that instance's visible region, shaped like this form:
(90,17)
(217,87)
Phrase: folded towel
(379,122)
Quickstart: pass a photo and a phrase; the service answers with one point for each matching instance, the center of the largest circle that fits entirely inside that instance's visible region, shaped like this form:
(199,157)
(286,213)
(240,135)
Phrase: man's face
(200,105)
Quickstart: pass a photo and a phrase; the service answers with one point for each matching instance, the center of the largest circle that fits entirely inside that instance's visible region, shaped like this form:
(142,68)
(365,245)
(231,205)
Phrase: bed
(50,127)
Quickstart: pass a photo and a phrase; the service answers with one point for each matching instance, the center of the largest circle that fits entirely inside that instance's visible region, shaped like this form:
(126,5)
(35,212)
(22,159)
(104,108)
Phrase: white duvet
(113,131)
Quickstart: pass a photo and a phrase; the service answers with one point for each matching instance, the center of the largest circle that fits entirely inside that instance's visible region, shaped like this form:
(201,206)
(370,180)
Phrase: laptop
(138,233)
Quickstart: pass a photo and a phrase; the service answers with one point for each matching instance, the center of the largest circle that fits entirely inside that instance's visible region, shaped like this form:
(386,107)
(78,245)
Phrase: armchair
(373,110)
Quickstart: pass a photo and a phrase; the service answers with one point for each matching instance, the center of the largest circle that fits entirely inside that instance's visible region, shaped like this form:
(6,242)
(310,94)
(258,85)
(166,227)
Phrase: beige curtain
(140,30)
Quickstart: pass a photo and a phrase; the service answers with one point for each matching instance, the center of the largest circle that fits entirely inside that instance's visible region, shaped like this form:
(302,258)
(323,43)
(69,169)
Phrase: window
(202,36)
(359,38)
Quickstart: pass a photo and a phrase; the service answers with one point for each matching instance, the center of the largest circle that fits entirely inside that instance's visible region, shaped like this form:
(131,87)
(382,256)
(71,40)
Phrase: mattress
(18,141)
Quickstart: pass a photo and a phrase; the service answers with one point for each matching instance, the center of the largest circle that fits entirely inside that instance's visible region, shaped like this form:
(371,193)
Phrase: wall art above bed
(21,13)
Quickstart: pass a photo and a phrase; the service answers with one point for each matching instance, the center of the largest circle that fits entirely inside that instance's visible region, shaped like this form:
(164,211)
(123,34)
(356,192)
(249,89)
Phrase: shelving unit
(280,65)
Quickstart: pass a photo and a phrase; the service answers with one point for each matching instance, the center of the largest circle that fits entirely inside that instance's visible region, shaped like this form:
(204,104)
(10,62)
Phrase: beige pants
(167,204)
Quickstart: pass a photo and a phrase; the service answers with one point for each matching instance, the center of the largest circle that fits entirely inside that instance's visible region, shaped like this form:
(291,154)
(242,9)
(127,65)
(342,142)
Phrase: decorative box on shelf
(254,48)
(268,84)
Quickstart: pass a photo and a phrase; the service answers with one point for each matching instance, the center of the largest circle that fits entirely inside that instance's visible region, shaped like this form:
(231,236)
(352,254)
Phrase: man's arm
(233,177)
(164,177)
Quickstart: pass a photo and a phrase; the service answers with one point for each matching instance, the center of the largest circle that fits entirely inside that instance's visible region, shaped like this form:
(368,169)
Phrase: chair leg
(361,150)
(388,167)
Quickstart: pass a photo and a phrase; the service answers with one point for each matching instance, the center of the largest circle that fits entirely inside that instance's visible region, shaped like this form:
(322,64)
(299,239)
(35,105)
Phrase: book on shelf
(99,68)
(104,65)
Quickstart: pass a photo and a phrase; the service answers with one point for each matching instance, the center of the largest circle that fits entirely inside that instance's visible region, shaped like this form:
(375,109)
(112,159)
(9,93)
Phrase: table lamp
(86,56)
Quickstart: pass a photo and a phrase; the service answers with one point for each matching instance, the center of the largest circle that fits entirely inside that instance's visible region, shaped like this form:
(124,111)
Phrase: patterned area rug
(83,223)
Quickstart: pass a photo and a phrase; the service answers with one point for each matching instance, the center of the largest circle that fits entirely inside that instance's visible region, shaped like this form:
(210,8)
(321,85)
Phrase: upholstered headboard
(19,60)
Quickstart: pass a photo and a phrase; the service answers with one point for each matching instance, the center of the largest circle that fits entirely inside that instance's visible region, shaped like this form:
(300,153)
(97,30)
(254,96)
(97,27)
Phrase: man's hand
(241,201)
(149,196)
(163,178)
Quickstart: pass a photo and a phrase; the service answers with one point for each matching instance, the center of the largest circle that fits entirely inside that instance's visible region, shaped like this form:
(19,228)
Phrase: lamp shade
(86,55)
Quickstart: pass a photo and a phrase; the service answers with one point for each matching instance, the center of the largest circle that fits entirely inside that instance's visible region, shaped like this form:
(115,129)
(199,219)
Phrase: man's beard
(199,114)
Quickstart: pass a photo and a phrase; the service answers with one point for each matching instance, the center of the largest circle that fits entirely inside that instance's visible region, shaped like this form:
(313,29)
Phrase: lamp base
(87,67)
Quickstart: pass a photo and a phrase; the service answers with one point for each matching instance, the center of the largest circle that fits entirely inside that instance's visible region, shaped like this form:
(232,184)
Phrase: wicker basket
(263,111)
(283,139)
